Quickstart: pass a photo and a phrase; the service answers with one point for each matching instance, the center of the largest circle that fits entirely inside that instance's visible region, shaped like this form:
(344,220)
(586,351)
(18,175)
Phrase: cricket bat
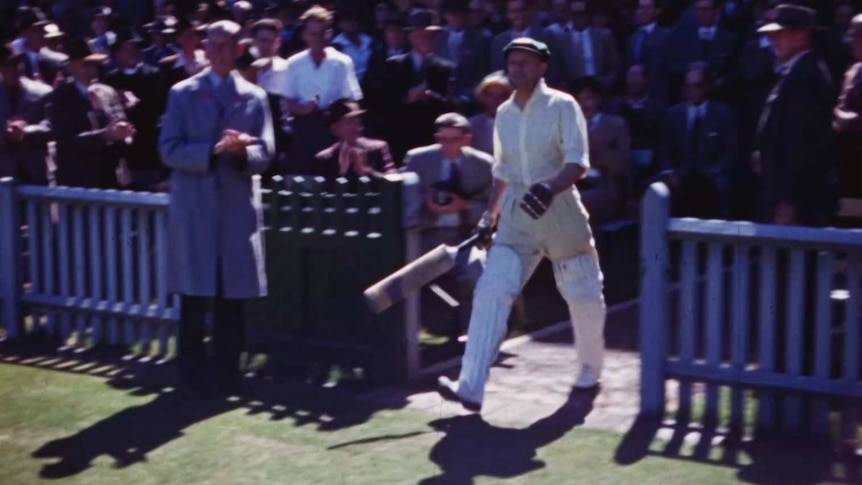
(414,275)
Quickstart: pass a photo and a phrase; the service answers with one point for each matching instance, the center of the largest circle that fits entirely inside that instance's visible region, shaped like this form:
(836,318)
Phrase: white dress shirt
(333,79)
(531,145)
(274,79)
(192,66)
(696,112)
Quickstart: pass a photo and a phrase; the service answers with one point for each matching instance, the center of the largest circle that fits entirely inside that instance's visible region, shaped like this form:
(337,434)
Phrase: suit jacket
(757,76)
(147,85)
(654,55)
(27,160)
(473,59)
(796,144)
(215,215)
(556,75)
(606,59)
(476,180)
(610,154)
(379,160)
(84,159)
(686,48)
(713,152)
(401,76)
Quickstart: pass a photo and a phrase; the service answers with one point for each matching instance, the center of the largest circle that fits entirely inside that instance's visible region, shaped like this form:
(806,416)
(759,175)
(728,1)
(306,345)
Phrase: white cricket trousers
(563,235)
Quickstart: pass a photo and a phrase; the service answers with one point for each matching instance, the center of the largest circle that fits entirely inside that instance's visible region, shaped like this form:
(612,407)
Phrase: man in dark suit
(588,51)
(706,43)
(848,118)
(455,185)
(89,123)
(795,144)
(159,48)
(353,155)
(522,23)
(189,60)
(648,46)
(465,47)
(24,118)
(418,87)
(40,62)
(394,43)
(142,89)
(698,150)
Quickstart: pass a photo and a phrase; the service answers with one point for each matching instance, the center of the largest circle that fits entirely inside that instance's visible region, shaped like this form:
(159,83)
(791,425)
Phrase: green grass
(99,434)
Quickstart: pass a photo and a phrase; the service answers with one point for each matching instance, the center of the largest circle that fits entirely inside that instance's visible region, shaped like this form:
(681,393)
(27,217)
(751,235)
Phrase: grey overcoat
(215,216)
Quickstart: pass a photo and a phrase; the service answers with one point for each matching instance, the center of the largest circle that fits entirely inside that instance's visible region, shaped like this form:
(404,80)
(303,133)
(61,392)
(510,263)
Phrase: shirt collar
(131,70)
(540,91)
(649,28)
(216,80)
(84,90)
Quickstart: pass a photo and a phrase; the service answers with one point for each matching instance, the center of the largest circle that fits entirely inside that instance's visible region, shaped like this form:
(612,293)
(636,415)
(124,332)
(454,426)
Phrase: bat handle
(468,243)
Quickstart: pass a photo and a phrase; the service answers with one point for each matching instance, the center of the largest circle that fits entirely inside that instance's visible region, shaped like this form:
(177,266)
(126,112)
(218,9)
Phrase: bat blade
(411,277)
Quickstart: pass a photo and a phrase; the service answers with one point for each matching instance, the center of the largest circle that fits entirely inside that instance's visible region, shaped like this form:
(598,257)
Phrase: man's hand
(15,131)
(485,229)
(233,141)
(537,200)
(119,130)
(418,93)
(785,214)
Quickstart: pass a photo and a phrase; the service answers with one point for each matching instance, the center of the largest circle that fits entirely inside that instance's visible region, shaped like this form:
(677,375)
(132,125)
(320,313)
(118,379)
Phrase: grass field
(80,429)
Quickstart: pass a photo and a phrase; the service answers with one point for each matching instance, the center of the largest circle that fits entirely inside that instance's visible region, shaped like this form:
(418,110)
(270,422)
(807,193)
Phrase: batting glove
(485,229)
(537,200)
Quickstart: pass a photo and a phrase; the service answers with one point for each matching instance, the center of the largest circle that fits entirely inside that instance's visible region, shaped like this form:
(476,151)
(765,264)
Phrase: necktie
(696,133)
(640,36)
(454,177)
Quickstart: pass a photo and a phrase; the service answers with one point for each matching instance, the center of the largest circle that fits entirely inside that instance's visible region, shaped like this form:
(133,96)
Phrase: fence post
(653,308)
(10,258)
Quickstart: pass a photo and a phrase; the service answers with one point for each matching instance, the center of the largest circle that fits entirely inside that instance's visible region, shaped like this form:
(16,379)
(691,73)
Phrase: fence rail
(776,317)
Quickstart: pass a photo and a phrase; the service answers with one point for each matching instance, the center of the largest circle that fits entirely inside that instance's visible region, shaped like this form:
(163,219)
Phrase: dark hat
(52,31)
(340,109)
(791,17)
(9,54)
(126,34)
(80,50)
(394,21)
(530,45)
(421,20)
(31,17)
(455,6)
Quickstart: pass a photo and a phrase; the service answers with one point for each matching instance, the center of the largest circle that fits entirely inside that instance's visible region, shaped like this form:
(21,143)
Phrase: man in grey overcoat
(217,135)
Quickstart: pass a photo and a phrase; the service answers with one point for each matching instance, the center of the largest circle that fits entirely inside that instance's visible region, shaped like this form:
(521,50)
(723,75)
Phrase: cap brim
(95,58)
(55,36)
(770,28)
(538,54)
(430,28)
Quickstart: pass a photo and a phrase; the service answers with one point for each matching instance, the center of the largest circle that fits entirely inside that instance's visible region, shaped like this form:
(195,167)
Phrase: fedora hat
(341,109)
(791,17)
(421,20)
(52,31)
(80,50)
(31,17)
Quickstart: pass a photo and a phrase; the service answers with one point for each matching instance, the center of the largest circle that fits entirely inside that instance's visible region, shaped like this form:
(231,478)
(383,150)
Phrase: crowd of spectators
(677,90)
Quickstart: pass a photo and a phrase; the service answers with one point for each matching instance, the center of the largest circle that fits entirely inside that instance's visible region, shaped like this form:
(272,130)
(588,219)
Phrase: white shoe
(448,390)
(588,378)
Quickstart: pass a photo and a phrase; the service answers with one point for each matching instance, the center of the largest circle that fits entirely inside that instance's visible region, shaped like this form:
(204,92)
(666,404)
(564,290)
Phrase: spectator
(353,42)
(316,77)
(142,90)
(189,60)
(89,124)
(352,156)
(466,48)
(648,46)
(103,38)
(560,17)
(455,184)
(272,76)
(698,150)
(417,86)
(848,118)
(54,38)
(491,93)
(522,23)
(23,115)
(159,48)
(643,114)
(40,63)
(589,51)
(291,38)
(794,154)
(605,191)
(706,42)
(215,220)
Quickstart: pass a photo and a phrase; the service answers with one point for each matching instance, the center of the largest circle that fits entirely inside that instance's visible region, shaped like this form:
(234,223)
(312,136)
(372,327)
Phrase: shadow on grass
(767,459)
(472,447)
(129,435)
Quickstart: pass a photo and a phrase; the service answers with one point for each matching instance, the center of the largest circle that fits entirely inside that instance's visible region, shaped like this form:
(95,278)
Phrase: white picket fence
(738,319)
(88,264)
